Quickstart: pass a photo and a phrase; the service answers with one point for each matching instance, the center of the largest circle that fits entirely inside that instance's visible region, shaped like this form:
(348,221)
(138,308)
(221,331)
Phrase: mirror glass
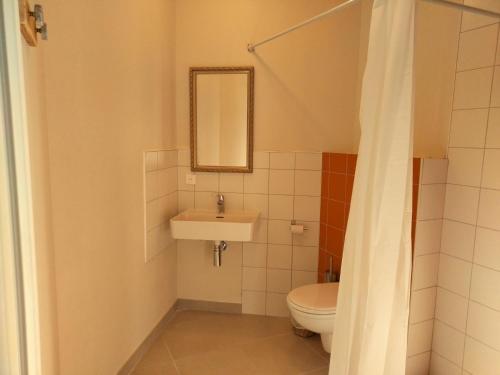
(221,119)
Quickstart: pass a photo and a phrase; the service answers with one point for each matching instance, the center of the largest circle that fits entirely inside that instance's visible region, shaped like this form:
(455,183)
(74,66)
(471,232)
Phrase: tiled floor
(204,343)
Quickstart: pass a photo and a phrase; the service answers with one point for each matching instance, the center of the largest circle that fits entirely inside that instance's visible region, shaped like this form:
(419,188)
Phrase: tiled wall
(283,186)
(467,327)
(336,190)
(428,217)
(160,200)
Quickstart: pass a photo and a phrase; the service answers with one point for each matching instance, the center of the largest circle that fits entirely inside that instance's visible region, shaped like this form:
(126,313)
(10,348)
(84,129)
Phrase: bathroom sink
(196,224)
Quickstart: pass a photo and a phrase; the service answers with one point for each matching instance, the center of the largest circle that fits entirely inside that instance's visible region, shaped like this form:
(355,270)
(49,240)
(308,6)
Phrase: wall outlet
(190,179)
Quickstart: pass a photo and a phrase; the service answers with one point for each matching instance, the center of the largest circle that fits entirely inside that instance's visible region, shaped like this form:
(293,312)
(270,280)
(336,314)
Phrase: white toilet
(313,307)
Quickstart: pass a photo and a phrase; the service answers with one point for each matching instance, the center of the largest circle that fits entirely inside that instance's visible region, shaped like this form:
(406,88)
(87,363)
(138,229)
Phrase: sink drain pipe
(219,247)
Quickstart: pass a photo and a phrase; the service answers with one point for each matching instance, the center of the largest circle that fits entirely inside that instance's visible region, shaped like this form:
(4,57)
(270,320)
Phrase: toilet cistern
(220,204)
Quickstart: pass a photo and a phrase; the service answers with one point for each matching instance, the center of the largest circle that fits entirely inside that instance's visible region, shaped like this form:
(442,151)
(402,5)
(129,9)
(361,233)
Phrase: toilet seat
(315,299)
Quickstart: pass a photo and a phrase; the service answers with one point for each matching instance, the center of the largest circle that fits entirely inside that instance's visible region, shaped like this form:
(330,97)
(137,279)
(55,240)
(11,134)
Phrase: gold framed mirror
(221,114)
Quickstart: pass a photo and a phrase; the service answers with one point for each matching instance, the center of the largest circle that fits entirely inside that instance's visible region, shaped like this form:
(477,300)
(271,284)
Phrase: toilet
(313,307)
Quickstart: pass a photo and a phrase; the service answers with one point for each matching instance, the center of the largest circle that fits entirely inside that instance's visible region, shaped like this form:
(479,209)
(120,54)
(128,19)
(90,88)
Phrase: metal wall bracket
(32,23)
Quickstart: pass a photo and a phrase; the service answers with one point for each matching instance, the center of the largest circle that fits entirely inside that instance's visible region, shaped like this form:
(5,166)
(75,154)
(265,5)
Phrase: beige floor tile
(156,361)
(314,342)
(285,354)
(321,371)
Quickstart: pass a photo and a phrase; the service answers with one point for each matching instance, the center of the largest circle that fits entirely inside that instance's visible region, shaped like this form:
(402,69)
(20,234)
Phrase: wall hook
(32,23)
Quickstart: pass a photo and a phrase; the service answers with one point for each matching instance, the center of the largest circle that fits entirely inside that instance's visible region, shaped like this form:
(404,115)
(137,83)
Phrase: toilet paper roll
(297,228)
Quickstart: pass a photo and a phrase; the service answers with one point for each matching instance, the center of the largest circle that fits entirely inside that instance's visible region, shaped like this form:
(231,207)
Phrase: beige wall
(37,128)
(305,96)
(109,96)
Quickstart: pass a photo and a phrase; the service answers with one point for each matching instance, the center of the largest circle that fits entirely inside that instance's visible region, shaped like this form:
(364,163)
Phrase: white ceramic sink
(195,224)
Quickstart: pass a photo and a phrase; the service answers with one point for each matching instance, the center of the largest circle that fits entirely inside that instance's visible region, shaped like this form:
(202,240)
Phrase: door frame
(19,312)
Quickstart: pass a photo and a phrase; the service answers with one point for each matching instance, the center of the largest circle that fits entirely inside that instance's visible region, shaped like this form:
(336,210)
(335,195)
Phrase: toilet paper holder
(297,228)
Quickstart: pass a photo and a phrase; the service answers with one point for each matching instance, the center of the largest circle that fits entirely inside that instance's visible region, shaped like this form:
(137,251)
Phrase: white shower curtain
(373,305)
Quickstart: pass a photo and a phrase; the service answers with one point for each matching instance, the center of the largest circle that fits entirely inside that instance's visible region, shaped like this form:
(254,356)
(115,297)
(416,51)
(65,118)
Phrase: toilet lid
(315,298)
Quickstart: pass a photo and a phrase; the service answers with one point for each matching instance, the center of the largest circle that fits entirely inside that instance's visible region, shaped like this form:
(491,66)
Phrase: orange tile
(337,264)
(324,184)
(323,213)
(323,264)
(334,240)
(322,236)
(347,210)
(338,163)
(351,163)
(336,214)
(414,204)
(337,187)
(348,188)
(326,161)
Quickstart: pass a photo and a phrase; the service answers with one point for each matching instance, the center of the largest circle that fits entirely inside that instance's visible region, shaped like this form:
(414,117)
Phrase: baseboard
(136,357)
(180,304)
(222,307)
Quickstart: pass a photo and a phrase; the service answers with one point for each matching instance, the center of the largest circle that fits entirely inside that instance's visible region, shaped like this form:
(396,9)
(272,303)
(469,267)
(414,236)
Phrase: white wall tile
(151,160)
(473,21)
(184,158)
(493,133)
(167,181)
(431,201)
(451,309)
(261,159)
(489,209)
(260,231)
(448,342)
(480,359)
(205,200)
(428,236)
(473,88)
(231,183)
(418,364)
(282,160)
(495,93)
(485,286)
(256,182)
(425,271)
(259,202)
(281,182)
(461,203)
(422,305)
(311,161)
(477,48)
(483,324)
(152,214)
(167,159)
(279,256)
(306,208)
(279,281)
(233,201)
(254,254)
(281,207)
(254,279)
(308,183)
(152,185)
(279,232)
(305,258)
(253,302)
(207,181)
(487,248)
(434,171)
(419,338)
(186,200)
(468,128)
(442,366)
(458,239)
(465,166)
(152,243)
(491,169)
(454,275)
(300,278)
(276,305)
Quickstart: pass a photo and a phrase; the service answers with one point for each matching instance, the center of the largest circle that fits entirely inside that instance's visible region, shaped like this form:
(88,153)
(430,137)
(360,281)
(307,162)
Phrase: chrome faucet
(220,203)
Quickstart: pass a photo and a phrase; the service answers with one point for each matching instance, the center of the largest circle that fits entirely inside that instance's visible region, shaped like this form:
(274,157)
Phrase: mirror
(222,119)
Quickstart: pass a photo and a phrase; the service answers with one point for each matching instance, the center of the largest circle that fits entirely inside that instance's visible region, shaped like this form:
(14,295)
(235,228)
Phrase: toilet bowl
(313,307)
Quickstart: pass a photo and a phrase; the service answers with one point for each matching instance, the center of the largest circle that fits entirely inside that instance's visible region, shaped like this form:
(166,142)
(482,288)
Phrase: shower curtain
(373,304)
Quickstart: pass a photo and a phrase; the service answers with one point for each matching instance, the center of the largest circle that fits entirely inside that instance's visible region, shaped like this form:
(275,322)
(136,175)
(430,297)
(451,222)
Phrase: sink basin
(195,224)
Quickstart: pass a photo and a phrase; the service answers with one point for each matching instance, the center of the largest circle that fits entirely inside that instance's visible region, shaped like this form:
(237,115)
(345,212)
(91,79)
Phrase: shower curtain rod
(251,46)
